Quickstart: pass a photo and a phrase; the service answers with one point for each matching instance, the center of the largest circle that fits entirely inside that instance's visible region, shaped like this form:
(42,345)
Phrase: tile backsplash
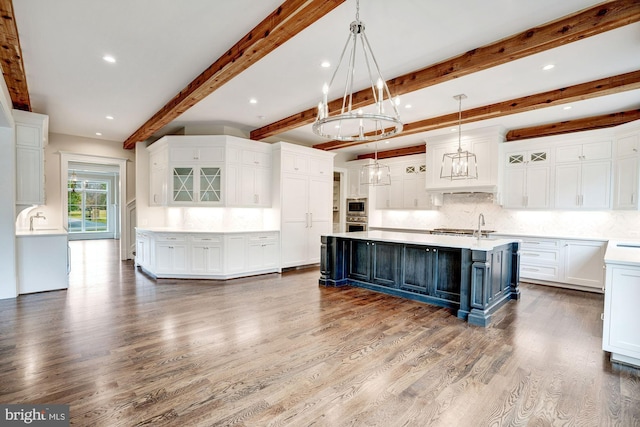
(462,210)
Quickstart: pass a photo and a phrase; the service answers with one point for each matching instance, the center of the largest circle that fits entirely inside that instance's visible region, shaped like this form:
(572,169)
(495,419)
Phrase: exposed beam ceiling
(282,24)
(550,129)
(587,123)
(606,86)
(577,26)
(11,57)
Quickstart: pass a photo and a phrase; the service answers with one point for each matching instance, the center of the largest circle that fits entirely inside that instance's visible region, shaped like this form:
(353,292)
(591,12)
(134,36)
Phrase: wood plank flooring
(278,350)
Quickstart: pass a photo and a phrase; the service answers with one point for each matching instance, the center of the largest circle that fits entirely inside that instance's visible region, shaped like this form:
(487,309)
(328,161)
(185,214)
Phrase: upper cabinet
(407,190)
(583,176)
(32,131)
(215,170)
(626,175)
(483,143)
(356,190)
(527,176)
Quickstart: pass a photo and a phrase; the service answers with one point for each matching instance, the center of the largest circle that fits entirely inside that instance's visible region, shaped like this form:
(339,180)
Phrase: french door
(88,205)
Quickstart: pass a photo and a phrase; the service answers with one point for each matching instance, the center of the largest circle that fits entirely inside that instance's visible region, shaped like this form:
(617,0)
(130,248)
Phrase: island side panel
(332,262)
(515,271)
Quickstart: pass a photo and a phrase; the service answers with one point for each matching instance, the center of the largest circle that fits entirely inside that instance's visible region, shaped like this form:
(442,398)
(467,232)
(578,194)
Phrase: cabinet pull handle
(529,269)
(530,254)
(532,243)
(601,316)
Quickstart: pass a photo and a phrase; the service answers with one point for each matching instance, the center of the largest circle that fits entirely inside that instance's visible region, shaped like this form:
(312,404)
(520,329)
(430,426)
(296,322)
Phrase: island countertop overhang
(460,242)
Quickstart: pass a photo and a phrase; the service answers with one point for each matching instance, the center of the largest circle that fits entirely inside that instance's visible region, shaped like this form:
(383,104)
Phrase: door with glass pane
(88,206)
(196,185)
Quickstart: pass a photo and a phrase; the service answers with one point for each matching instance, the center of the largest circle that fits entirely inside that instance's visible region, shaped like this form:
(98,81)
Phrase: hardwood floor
(122,349)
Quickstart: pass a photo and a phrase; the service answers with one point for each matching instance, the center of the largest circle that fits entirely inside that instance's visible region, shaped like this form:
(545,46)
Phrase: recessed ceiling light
(325,64)
(108,117)
(548,67)
(261,117)
(454,129)
(568,107)
(110,59)
(99,133)
(407,106)
(253,101)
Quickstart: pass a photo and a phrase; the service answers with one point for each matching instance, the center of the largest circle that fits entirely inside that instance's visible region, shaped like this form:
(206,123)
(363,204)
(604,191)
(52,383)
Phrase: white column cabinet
(31,137)
(305,199)
(626,171)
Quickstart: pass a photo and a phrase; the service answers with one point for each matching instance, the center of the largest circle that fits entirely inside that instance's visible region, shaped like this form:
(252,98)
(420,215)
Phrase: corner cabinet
(32,131)
(216,170)
(223,255)
(304,199)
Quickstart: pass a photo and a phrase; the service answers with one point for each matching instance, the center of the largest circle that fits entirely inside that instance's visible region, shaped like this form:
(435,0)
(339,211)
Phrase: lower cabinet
(577,264)
(620,333)
(207,255)
(434,272)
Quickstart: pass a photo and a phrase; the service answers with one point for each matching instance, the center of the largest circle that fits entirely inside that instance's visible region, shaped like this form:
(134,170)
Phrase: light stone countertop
(201,231)
(484,244)
(42,232)
(624,252)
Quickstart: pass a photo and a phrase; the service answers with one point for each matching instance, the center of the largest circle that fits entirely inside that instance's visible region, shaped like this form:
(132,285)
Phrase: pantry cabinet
(304,195)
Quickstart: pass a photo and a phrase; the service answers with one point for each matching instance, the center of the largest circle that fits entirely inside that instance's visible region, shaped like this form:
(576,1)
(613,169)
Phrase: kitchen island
(474,277)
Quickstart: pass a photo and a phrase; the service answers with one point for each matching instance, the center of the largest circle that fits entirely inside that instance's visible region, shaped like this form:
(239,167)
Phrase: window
(88,205)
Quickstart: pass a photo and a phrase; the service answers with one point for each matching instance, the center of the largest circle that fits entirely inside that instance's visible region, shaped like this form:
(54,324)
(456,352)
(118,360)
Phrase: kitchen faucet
(480,224)
(37,215)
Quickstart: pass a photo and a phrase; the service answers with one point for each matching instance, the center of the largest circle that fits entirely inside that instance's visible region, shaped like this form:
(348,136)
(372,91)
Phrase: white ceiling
(162,45)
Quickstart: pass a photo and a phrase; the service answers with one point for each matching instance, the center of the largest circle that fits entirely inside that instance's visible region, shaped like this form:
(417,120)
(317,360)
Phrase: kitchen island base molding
(473,282)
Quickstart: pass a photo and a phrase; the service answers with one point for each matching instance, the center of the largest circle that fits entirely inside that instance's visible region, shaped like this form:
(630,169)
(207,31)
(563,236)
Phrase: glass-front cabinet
(196,184)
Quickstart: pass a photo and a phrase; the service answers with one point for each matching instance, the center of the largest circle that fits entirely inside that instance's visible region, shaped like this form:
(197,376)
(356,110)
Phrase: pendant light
(375,174)
(461,164)
(365,124)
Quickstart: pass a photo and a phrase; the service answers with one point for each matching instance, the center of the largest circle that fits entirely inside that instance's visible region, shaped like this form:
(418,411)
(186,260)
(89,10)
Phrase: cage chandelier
(371,123)
(461,164)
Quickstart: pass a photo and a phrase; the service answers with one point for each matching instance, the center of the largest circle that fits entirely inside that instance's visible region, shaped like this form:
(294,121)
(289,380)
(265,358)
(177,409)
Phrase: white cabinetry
(354,188)
(584,263)
(221,255)
(215,170)
(171,254)
(206,254)
(42,261)
(305,194)
(31,137)
(527,178)
(621,331)
(482,143)
(626,175)
(583,176)
(571,263)
(407,189)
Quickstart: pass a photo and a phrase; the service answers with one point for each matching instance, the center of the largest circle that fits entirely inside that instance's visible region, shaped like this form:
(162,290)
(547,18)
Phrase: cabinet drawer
(540,257)
(539,272)
(535,244)
(171,238)
(270,237)
(207,238)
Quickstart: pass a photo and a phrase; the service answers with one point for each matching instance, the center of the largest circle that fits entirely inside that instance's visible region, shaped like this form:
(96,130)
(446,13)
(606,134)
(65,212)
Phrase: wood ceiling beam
(289,19)
(396,152)
(606,86)
(11,58)
(589,22)
(578,125)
